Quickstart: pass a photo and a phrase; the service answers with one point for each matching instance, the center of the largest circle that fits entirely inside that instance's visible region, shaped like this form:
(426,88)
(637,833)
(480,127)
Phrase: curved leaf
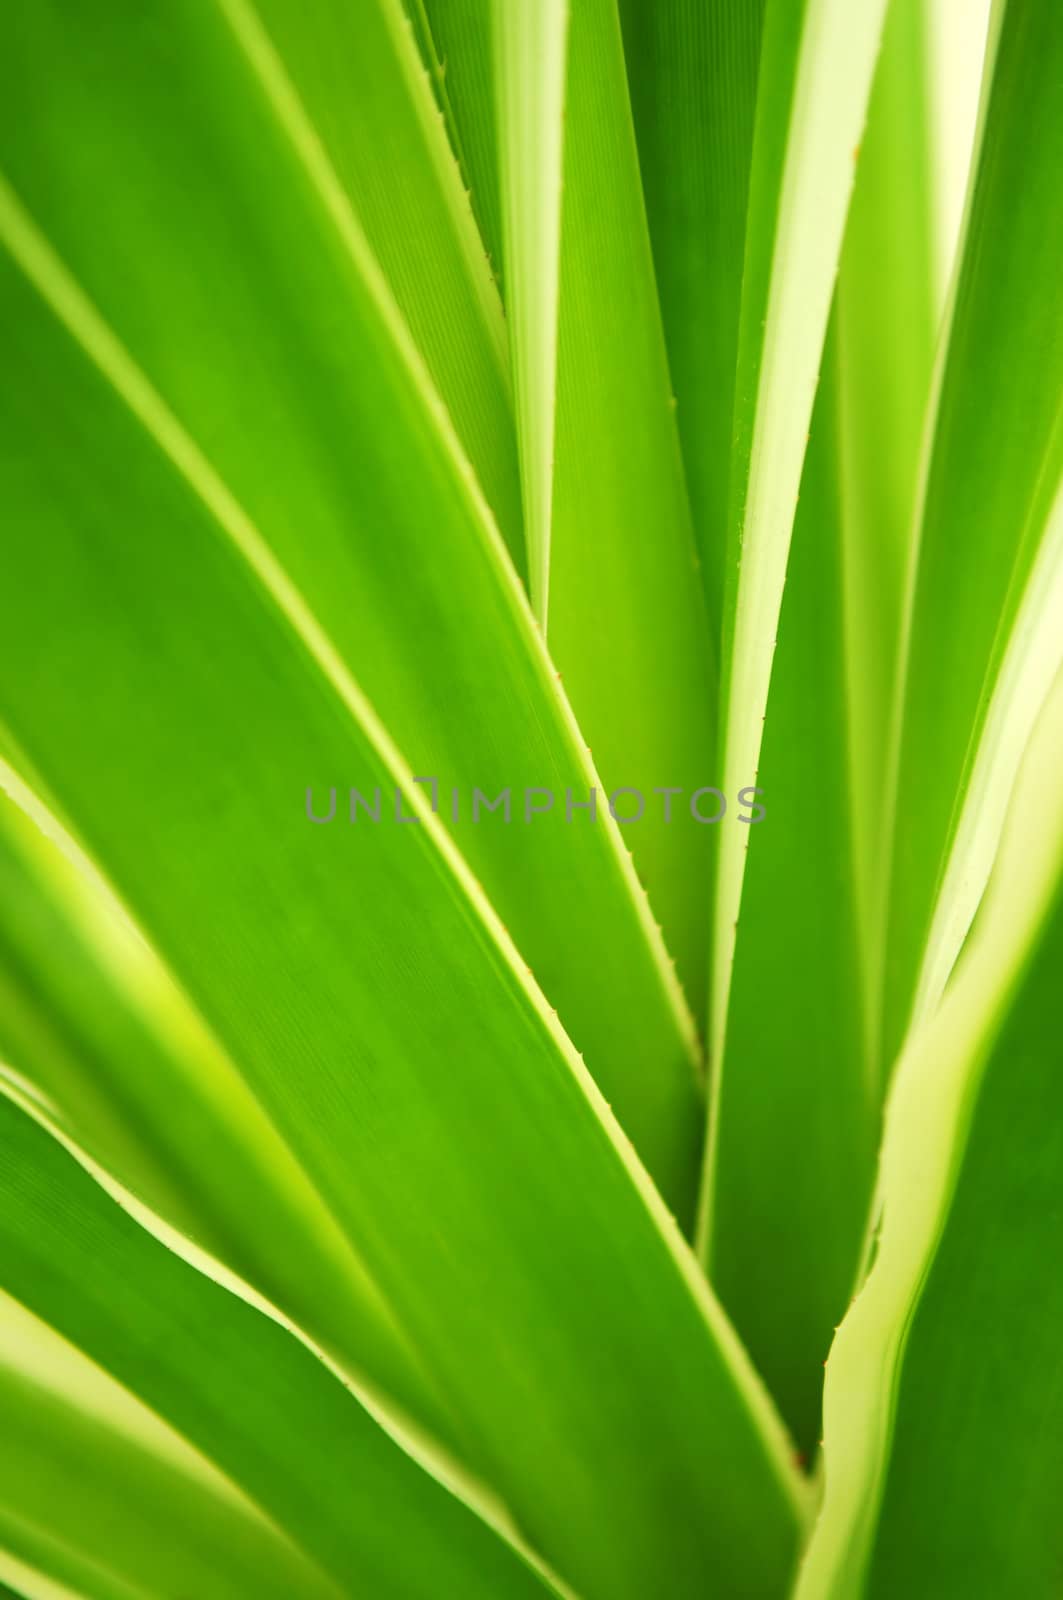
(943,1375)
(790,1162)
(90,1019)
(815,77)
(692,68)
(627,618)
(990,486)
(627,623)
(235,267)
(236,1387)
(389,1028)
(98,1494)
(793,1155)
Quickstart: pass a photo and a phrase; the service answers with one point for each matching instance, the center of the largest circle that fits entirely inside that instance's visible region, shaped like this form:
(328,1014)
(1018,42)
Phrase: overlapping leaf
(693,69)
(237,1389)
(168,689)
(359,75)
(530,44)
(626,624)
(944,1379)
(792,1161)
(100,1497)
(276,467)
(457,45)
(233,264)
(816,67)
(977,618)
(90,1019)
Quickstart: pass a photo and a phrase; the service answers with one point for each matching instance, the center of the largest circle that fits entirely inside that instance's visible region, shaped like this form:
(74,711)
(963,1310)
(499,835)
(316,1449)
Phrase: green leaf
(35,1587)
(986,549)
(98,1494)
(943,1381)
(235,269)
(627,620)
(236,1387)
(530,74)
(955,41)
(790,1171)
(886,311)
(92,1020)
(692,68)
(365,91)
(815,77)
(176,693)
(791,1165)
(459,36)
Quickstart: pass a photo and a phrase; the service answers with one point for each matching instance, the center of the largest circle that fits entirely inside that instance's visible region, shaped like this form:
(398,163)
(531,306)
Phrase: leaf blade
(929,1200)
(197,275)
(693,75)
(235,1386)
(816,69)
(320,1000)
(530,44)
(990,482)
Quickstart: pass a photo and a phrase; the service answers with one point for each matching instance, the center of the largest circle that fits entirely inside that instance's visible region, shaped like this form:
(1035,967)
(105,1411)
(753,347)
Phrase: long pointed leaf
(886,324)
(987,512)
(90,1018)
(392,1031)
(627,620)
(692,67)
(227,224)
(459,38)
(815,77)
(942,1383)
(236,1387)
(791,1159)
(98,1494)
(627,624)
(359,76)
(530,75)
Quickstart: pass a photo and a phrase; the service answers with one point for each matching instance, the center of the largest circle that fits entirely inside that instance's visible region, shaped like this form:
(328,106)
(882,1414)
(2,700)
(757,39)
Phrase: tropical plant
(531,845)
